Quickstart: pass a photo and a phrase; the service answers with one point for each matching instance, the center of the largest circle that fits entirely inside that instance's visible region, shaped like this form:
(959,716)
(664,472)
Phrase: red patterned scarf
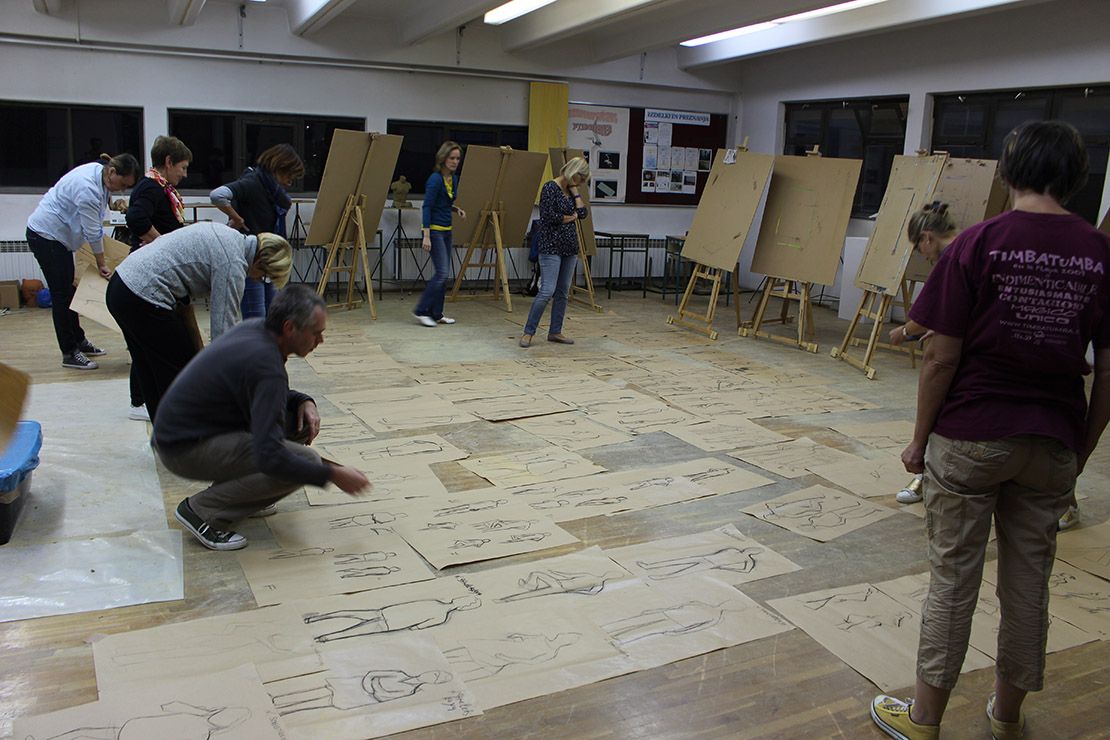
(176,203)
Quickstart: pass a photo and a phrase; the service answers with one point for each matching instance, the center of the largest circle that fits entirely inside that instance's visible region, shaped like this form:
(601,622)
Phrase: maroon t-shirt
(1026,292)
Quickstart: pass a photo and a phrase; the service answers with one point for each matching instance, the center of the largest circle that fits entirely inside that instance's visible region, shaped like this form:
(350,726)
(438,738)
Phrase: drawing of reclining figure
(547,582)
(666,621)
(407,615)
(178,720)
(483,658)
(353,692)
(732,559)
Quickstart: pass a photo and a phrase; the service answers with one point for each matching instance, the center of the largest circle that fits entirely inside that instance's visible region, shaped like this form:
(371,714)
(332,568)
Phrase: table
(620,243)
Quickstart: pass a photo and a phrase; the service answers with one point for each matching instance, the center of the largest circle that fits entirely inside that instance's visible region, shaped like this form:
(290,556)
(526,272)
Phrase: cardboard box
(9,294)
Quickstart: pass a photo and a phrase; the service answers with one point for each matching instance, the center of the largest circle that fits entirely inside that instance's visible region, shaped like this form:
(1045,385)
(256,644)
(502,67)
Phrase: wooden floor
(786,686)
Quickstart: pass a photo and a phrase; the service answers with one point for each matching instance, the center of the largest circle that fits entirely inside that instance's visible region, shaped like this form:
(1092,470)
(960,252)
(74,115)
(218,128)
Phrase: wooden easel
(910,348)
(787,291)
(584,262)
(345,256)
(489,226)
(704,323)
(867,310)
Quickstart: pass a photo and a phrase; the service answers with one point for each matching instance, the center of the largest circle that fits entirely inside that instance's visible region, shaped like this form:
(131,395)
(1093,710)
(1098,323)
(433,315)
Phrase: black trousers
(157,338)
(57,265)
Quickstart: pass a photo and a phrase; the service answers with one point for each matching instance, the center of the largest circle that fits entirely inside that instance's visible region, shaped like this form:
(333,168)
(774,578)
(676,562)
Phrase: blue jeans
(555,275)
(257,297)
(431,300)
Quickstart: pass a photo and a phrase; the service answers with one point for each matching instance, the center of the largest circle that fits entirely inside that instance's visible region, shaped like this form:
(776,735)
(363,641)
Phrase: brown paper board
(13,394)
(89,299)
(973,192)
(114,253)
(912,182)
(727,208)
(358,163)
(559,157)
(478,190)
(804,222)
(9,294)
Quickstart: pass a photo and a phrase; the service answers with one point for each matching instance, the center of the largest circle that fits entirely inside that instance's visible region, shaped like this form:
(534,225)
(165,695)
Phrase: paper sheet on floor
(819,512)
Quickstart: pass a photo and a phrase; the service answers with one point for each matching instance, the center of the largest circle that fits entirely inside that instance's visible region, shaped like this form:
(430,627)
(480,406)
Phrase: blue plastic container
(17,462)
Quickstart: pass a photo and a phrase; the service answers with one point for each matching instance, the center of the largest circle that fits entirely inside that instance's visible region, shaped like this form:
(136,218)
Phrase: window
(873,130)
(225,144)
(43,142)
(422,140)
(974,124)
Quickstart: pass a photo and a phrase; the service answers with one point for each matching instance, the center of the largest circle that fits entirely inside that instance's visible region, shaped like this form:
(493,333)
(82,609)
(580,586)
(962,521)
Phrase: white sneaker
(424,320)
(445,320)
(911,494)
(1069,519)
(265,512)
(138,413)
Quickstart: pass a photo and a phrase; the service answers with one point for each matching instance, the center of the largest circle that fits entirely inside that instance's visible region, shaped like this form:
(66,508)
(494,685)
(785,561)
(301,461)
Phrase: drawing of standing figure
(351,692)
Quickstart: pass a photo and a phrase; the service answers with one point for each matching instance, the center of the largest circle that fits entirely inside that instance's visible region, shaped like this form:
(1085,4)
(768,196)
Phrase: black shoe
(78,361)
(90,349)
(213,539)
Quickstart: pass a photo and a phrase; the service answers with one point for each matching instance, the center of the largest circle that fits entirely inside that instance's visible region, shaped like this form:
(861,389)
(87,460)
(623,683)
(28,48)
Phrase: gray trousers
(239,489)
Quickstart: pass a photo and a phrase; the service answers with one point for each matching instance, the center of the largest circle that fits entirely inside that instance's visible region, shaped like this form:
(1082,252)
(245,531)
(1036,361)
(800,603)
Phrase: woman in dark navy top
(560,207)
(439,203)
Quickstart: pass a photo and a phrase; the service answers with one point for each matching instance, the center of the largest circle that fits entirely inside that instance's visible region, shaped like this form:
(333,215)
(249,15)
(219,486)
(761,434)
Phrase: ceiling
(604,30)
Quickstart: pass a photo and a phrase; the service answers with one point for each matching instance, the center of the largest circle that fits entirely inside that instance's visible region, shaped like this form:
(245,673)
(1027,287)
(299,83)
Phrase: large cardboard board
(13,396)
(478,190)
(114,253)
(727,209)
(559,157)
(912,183)
(90,299)
(806,217)
(358,163)
(973,192)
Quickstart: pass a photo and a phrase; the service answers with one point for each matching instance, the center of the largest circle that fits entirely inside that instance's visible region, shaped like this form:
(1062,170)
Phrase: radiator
(17,262)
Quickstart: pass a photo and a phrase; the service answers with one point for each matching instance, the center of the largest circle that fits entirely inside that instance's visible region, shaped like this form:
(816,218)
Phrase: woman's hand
(105,271)
(461,212)
(236,222)
(898,335)
(913,458)
(426,245)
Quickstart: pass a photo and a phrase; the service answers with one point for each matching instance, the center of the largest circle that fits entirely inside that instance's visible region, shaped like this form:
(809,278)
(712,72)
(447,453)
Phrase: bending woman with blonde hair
(440,192)
(150,287)
(560,207)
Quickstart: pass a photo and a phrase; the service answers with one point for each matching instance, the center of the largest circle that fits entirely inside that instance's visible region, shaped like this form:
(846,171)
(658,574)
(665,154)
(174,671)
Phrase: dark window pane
(211,139)
(803,129)
(423,139)
(888,121)
(1090,113)
(958,119)
(844,137)
(1010,114)
(878,158)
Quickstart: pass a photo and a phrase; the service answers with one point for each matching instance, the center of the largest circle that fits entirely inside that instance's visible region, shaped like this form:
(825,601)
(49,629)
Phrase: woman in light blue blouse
(439,203)
(560,208)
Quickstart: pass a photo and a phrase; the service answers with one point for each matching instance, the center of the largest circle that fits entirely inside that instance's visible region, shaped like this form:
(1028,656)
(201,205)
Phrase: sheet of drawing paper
(566,386)
(718,476)
(1086,548)
(724,553)
(451,373)
(401,415)
(231,702)
(355,359)
(776,402)
(390,480)
(277,575)
(720,435)
(707,379)
(870,631)
(380,616)
(520,404)
(531,466)
(795,458)
(453,534)
(115,252)
(517,654)
(90,302)
(339,429)
(884,435)
(572,431)
(327,526)
(381,453)
(201,646)
(819,512)
(373,690)
(643,417)
(1075,596)
(664,622)
(565,579)
(728,406)
(13,395)
(881,476)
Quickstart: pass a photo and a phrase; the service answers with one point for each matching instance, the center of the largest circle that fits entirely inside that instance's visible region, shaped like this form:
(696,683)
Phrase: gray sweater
(200,259)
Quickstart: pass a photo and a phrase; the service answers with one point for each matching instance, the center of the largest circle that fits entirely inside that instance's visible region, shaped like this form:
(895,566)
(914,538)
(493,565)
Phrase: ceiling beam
(426,18)
(871,19)
(309,16)
(47,7)
(566,18)
(185,12)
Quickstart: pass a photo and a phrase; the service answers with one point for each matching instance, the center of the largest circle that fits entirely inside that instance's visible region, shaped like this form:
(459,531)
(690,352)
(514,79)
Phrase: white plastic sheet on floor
(93,532)
(86,575)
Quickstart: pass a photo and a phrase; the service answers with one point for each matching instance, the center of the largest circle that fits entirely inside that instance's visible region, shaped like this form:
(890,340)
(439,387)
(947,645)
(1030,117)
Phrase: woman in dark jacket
(439,203)
(257,203)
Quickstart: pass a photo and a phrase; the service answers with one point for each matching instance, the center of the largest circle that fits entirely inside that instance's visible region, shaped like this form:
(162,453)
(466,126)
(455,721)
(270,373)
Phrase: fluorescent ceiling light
(514,9)
(756,27)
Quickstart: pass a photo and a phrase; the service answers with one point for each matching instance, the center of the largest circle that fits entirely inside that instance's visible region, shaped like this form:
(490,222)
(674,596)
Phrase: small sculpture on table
(399,189)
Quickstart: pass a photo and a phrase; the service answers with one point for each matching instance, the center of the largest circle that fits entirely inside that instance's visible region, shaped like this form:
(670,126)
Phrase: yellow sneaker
(1004,730)
(893,717)
(1069,519)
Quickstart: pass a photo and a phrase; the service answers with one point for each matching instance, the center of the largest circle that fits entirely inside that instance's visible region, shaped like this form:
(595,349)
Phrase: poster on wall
(680,164)
(602,131)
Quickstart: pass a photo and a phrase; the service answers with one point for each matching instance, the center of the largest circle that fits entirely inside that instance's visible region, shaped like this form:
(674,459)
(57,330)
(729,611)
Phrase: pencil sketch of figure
(408,615)
(434,526)
(817,512)
(367,571)
(178,720)
(304,552)
(492,503)
(377,518)
(401,449)
(858,597)
(494,525)
(668,621)
(419,420)
(1095,555)
(352,692)
(731,559)
(709,474)
(232,638)
(374,556)
(658,482)
(475,542)
(548,582)
(873,621)
(483,658)
(526,537)
(1093,602)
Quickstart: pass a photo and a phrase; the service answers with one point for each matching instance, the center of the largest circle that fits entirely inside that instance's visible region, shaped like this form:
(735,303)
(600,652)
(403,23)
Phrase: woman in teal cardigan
(439,203)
